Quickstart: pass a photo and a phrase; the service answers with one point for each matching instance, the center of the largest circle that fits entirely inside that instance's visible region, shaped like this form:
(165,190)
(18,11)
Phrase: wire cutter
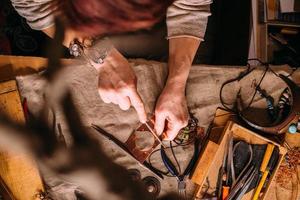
(181,177)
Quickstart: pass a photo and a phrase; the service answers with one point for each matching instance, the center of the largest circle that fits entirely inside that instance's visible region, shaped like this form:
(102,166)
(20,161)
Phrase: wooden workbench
(13,66)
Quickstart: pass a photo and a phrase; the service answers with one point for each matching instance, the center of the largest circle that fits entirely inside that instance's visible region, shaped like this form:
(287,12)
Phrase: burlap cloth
(202,96)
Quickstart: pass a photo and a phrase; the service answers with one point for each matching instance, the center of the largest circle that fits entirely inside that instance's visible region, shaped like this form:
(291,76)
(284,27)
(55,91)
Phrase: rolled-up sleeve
(188,18)
(38,13)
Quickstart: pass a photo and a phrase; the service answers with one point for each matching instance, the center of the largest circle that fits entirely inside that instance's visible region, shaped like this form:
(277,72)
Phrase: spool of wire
(152,186)
(187,134)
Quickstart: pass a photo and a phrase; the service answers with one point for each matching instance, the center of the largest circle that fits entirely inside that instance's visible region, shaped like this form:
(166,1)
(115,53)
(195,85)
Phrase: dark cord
(257,86)
(166,173)
(242,75)
(175,158)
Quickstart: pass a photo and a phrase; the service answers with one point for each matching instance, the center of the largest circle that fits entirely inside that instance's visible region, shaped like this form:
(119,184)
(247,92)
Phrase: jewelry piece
(95,53)
(76,48)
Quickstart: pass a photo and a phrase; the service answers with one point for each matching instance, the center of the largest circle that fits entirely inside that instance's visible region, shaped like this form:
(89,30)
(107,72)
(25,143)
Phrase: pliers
(173,170)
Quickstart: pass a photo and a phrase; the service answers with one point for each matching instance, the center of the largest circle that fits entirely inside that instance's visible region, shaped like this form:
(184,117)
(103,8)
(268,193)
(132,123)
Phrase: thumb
(160,123)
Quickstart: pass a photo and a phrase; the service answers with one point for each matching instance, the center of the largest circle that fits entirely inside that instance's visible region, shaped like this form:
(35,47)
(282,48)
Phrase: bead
(293,128)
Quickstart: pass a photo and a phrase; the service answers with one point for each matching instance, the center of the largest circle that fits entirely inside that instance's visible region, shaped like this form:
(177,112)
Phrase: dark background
(226,39)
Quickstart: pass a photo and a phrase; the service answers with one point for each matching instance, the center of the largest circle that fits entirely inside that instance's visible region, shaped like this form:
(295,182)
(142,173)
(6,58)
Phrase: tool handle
(260,185)
(168,163)
(225,192)
(267,156)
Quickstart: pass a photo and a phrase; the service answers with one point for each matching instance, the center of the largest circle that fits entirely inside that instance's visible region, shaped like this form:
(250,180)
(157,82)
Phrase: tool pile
(244,167)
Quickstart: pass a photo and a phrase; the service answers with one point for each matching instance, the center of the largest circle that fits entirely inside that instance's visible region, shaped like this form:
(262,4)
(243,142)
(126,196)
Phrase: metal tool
(221,175)
(153,132)
(229,168)
(228,186)
(247,185)
(241,184)
(181,177)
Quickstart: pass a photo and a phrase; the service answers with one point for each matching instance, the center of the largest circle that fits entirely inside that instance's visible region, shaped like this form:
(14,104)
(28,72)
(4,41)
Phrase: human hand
(171,113)
(117,84)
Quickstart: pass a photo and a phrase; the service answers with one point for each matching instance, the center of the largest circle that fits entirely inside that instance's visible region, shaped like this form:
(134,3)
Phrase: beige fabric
(37,13)
(188,18)
(202,94)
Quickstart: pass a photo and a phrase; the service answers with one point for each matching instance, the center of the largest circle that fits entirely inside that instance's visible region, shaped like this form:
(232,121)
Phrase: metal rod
(154,134)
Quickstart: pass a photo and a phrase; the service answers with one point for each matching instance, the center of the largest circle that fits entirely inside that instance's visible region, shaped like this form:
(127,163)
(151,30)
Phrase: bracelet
(95,53)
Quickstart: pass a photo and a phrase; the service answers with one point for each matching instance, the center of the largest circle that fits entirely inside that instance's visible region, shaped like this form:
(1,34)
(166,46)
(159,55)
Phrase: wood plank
(18,171)
(11,66)
(8,86)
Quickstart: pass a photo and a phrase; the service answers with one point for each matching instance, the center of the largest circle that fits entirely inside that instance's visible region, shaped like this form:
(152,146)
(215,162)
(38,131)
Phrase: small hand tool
(263,167)
(243,179)
(153,132)
(229,168)
(241,184)
(247,185)
(267,156)
(229,187)
(181,177)
(269,162)
(221,175)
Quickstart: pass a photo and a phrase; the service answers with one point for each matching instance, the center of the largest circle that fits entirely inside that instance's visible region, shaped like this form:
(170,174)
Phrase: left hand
(171,113)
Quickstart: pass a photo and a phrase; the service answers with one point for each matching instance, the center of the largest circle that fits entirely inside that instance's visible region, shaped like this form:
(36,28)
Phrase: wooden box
(205,174)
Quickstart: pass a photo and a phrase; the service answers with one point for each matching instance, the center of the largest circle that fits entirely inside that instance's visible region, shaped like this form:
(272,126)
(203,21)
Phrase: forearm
(182,51)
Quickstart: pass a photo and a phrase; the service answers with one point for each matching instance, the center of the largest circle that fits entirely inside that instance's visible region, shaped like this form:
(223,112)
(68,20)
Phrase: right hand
(118,84)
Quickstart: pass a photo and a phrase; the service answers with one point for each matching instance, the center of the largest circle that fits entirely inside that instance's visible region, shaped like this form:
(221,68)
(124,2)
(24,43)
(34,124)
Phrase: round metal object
(75,48)
(152,185)
(135,174)
(293,128)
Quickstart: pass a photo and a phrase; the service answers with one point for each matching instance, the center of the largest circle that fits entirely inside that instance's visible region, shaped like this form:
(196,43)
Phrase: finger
(172,131)
(123,102)
(104,96)
(174,126)
(112,97)
(137,103)
(104,89)
(160,119)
